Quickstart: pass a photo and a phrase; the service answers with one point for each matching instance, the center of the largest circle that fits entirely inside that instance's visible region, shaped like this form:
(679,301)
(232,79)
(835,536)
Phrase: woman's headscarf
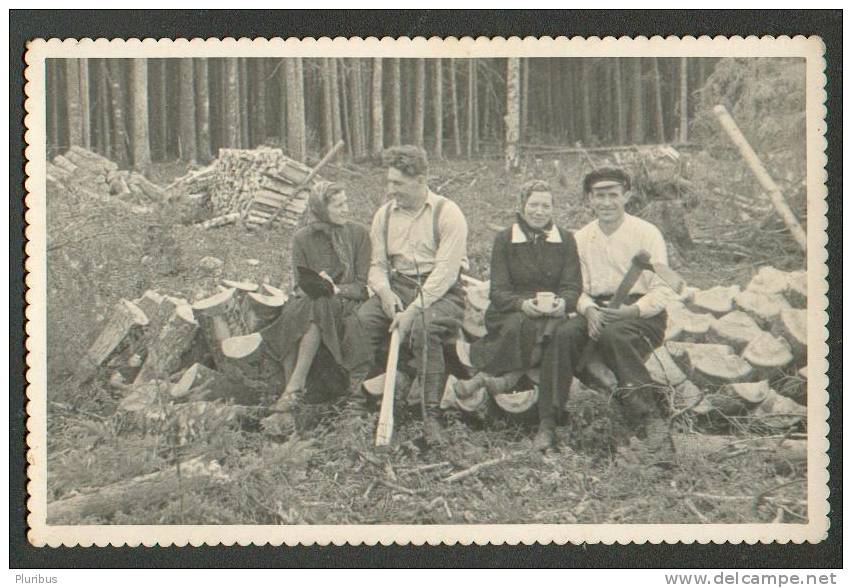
(526,191)
(321,195)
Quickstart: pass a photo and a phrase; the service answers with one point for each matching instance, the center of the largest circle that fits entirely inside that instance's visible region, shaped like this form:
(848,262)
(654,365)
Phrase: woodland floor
(98,254)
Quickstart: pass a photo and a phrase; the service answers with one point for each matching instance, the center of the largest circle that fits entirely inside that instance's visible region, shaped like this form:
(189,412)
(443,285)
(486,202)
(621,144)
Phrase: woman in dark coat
(314,337)
(532,261)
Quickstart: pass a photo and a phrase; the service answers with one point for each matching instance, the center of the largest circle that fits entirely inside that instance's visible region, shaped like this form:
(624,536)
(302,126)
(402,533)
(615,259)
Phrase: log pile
(80,171)
(247,185)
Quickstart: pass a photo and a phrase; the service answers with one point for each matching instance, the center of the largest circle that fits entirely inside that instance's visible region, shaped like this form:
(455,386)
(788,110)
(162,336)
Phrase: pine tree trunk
(74,113)
(258,100)
(186,108)
(684,100)
(328,138)
(141,141)
(104,131)
(513,111)
(117,102)
(202,104)
(525,98)
(378,110)
(357,110)
(637,135)
(345,111)
(53,67)
(454,109)
(282,103)
(85,105)
(419,101)
(335,100)
(396,93)
(295,109)
(438,103)
(161,112)
(621,119)
(472,109)
(585,88)
(658,102)
(232,102)
(245,123)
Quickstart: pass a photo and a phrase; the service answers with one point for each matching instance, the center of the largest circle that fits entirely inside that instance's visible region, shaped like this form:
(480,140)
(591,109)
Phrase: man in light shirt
(419,242)
(626,336)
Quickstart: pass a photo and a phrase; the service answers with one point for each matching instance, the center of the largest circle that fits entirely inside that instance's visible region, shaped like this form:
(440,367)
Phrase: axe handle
(384,430)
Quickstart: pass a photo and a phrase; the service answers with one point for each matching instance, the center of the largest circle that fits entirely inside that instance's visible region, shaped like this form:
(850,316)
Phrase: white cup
(545,300)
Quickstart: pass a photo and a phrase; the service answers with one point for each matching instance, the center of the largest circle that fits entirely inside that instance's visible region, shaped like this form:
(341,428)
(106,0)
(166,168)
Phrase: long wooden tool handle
(753,161)
(384,431)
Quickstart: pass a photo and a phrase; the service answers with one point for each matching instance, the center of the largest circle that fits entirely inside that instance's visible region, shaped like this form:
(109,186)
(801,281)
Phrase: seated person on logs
(419,244)
(625,336)
(316,338)
(535,284)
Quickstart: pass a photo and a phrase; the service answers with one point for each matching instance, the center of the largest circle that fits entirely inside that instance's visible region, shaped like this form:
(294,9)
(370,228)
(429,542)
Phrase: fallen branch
(396,487)
(476,468)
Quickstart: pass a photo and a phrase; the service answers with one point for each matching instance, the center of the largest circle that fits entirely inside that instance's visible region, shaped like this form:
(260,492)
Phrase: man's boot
(546,435)
(658,440)
(433,427)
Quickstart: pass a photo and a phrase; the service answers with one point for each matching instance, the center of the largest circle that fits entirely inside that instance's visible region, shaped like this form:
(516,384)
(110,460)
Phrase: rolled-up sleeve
(377,277)
(452,228)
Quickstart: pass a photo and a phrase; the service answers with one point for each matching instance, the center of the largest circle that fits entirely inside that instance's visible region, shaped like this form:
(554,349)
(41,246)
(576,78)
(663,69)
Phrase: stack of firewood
(81,171)
(249,185)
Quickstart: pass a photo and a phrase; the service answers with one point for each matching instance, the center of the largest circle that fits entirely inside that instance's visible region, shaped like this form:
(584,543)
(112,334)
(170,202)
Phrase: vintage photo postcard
(426,291)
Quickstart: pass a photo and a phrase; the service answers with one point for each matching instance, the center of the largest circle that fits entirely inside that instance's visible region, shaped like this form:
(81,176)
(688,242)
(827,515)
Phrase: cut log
(684,325)
(680,351)
(220,221)
(124,328)
(463,352)
(137,493)
(260,310)
(778,411)
(710,369)
(201,383)
(663,369)
(689,396)
(250,363)
(768,355)
(476,403)
(213,314)
(752,393)
(242,286)
(717,301)
(792,325)
(165,352)
(149,303)
(273,291)
(769,281)
(720,446)
(762,307)
(517,403)
(797,289)
(736,329)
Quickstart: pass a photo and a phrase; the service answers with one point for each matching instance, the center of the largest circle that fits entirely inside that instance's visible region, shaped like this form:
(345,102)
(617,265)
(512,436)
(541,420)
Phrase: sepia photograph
(427,288)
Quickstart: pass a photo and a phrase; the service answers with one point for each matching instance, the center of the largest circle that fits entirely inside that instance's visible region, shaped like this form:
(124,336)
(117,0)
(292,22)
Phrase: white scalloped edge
(41,534)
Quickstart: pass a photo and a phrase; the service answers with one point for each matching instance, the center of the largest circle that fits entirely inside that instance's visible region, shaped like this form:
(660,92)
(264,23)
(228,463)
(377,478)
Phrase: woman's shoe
(287,401)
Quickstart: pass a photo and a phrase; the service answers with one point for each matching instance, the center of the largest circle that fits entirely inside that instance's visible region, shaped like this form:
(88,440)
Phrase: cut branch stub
(717,301)
(736,329)
(768,354)
(249,362)
(792,325)
(201,383)
(684,325)
(165,352)
(125,325)
(764,308)
(663,369)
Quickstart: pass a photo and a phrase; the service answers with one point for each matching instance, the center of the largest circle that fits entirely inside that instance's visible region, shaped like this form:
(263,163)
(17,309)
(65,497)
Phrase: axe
(640,262)
(384,430)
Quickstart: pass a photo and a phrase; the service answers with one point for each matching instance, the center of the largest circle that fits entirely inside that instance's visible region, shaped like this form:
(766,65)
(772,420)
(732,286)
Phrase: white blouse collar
(518,235)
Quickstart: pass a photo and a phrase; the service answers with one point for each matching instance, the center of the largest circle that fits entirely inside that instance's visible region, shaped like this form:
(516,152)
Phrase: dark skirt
(338,324)
(509,344)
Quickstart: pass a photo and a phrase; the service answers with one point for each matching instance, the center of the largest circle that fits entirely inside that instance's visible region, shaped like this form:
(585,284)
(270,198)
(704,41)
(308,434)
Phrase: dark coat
(518,271)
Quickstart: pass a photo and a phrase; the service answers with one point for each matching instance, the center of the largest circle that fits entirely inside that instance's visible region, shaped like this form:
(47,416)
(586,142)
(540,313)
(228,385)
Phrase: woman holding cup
(535,284)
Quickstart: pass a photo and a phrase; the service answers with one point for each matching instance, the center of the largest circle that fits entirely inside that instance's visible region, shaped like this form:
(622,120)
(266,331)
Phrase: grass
(332,474)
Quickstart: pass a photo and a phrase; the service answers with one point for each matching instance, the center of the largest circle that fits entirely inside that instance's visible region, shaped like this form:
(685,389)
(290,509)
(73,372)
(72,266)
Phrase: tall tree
(356,110)
(454,109)
(438,104)
(117,102)
(73,100)
(621,118)
(335,100)
(396,101)
(472,109)
(525,98)
(378,113)
(513,111)
(295,109)
(328,136)
(104,119)
(282,102)
(658,102)
(245,124)
(186,110)
(85,106)
(141,141)
(637,135)
(232,102)
(258,101)
(684,101)
(586,88)
(162,109)
(419,100)
(202,108)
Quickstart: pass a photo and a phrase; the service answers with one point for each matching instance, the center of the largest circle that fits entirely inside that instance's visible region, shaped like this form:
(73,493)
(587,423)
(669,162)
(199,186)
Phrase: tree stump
(260,310)
(249,362)
(768,354)
(662,368)
(213,314)
(736,329)
(762,307)
(717,301)
(165,352)
(792,325)
(125,327)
